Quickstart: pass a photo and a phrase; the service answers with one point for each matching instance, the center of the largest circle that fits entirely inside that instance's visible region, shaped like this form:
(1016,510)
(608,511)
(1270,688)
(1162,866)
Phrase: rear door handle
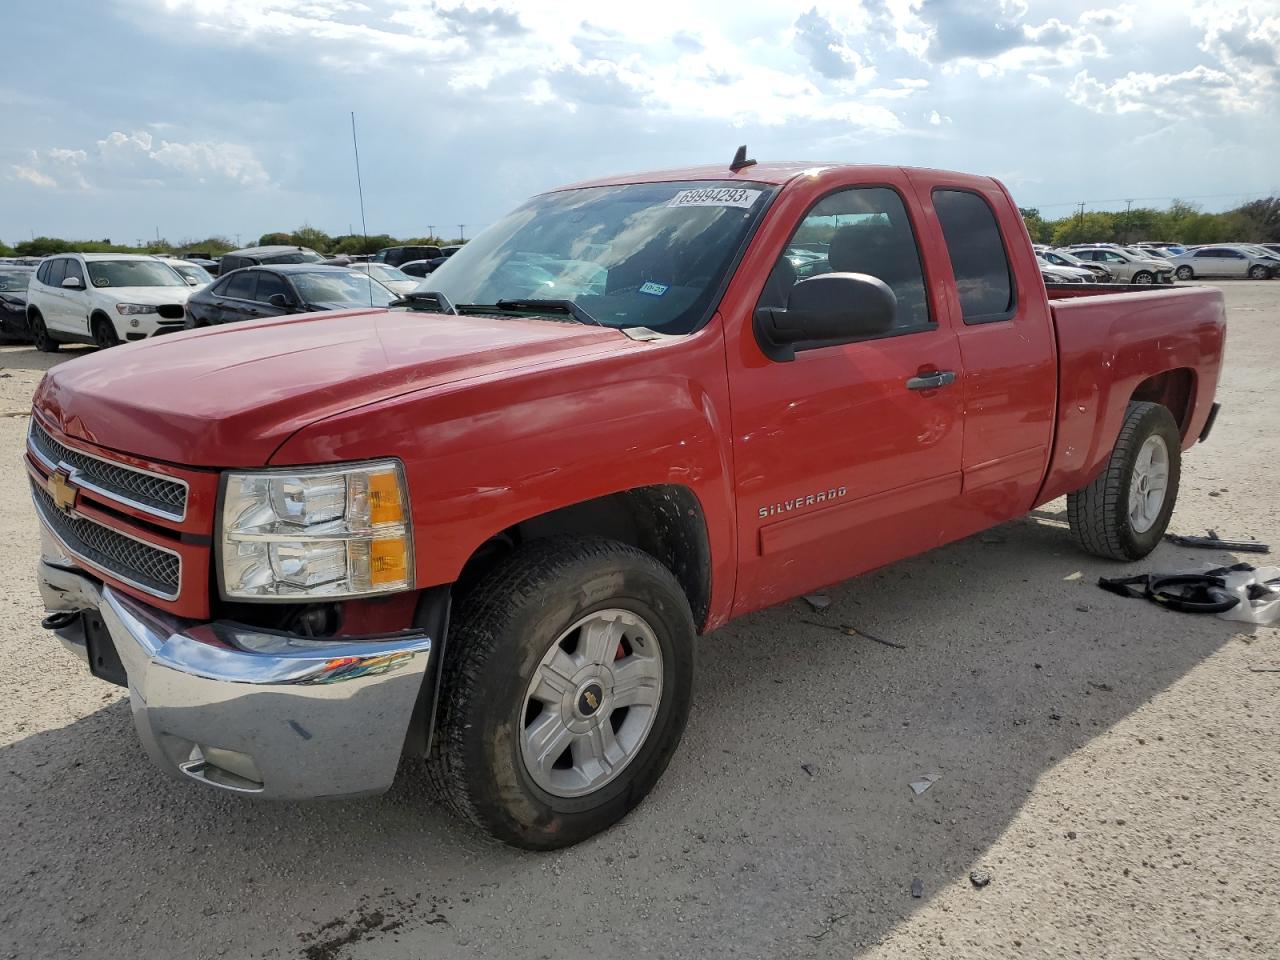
(931,381)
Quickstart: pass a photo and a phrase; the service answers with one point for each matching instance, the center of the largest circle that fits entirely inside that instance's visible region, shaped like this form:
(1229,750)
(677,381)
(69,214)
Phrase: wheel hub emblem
(589,699)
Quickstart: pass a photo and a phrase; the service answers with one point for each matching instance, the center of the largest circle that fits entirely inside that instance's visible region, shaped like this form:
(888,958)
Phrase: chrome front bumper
(253,711)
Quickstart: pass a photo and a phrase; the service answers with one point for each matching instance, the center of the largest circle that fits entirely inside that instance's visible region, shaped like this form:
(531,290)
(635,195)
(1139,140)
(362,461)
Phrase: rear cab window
(979,261)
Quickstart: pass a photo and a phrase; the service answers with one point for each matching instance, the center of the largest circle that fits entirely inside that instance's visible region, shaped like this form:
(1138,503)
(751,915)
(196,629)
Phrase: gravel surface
(1109,766)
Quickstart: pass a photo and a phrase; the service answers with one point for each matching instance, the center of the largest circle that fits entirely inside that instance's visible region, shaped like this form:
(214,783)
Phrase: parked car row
(109,298)
(1161,262)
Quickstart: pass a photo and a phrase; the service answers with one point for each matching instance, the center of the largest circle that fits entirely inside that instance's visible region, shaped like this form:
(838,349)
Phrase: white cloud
(137,157)
(1120,18)
(33,176)
(1197,91)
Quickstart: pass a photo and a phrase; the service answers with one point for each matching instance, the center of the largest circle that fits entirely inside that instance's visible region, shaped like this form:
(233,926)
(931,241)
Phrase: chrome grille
(150,568)
(155,494)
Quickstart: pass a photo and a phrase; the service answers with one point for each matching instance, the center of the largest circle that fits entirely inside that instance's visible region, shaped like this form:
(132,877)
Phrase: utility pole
(237,241)
(1127,205)
(462,227)
(431,231)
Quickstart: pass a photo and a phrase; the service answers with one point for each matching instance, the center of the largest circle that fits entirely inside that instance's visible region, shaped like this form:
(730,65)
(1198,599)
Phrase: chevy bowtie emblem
(63,492)
(592,701)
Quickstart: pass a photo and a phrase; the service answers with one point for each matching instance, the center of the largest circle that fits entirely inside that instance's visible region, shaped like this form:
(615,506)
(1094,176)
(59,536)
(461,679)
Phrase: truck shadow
(785,825)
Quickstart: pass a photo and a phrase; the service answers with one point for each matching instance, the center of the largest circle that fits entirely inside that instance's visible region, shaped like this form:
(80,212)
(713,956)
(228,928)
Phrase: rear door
(1006,342)
(847,456)
(236,301)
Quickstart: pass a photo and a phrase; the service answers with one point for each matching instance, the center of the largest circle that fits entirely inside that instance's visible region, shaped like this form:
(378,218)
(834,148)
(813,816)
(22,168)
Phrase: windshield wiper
(424,300)
(540,305)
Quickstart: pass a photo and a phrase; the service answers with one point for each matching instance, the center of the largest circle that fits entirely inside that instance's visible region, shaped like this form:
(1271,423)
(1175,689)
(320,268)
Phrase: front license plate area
(104,661)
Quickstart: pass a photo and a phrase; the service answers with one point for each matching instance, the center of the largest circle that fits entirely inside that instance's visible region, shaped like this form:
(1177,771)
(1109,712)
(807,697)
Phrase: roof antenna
(740,160)
(364,230)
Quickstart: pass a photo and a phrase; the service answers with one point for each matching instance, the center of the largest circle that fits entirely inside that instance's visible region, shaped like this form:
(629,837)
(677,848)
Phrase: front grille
(171,311)
(152,569)
(168,498)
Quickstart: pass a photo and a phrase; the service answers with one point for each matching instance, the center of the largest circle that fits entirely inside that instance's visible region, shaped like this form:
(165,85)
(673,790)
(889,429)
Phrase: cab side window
(984,279)
(859,230)
(74,270)
(57,272)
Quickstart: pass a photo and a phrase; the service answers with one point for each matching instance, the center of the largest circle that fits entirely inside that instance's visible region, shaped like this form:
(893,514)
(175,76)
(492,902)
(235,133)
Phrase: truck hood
(228,396)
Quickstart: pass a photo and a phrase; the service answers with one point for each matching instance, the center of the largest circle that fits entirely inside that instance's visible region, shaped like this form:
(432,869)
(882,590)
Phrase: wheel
(1144,277)
(1184,272)
(104,333)
(566,688)
(1123,514)
(1259,272)
(40,334)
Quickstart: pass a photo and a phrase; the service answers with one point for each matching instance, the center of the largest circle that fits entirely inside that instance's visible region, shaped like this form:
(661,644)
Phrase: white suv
(104,299)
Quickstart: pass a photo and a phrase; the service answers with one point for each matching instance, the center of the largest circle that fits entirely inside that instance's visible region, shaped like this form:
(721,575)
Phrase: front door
(848,456)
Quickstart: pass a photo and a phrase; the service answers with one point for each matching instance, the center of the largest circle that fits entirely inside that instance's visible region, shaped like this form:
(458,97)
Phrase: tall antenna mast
(364,229)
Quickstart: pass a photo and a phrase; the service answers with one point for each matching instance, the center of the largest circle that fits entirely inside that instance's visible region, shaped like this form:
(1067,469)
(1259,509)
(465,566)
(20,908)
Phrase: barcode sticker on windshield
(714,197)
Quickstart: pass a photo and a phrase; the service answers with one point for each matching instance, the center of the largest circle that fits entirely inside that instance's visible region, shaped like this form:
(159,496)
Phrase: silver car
(1222,260)
(1060,258)
(1126,266)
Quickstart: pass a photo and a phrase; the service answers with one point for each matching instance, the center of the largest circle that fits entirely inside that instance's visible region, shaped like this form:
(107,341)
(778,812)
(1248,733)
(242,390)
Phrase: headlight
(324,532)
(125,309)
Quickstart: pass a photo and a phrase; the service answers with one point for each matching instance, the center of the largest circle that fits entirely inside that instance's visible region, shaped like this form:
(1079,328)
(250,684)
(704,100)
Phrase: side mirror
(826,310)
(279,300)
(191,281)
(73,283)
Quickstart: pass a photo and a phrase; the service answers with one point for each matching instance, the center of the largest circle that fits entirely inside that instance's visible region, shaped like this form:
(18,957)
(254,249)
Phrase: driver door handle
(931,381)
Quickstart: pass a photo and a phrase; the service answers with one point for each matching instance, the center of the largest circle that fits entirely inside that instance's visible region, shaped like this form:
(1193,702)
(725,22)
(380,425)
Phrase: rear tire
(104,333)
(513,639)
(1184,273)
(1124,512)
(40,334)
(1144,277)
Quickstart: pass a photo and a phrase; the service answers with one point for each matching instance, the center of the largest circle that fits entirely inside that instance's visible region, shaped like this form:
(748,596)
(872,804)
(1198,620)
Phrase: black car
(254,256)
(395,256)
(282,289)
(13,301)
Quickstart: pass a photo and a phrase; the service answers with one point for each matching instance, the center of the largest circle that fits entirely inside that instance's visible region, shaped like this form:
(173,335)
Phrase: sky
(233,117)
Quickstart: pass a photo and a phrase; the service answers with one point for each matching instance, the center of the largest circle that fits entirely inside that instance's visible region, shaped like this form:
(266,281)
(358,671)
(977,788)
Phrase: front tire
(1124,513)
(40,335)
(1259,272)
(1144,277)
(566,688)
(104,333)
(1184,273)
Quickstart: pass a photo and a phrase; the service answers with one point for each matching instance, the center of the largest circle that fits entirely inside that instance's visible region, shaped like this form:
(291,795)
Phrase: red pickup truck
(482,528)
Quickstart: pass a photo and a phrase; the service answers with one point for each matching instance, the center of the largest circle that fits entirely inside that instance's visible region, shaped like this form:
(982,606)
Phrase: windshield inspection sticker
(715,197)
(653,289)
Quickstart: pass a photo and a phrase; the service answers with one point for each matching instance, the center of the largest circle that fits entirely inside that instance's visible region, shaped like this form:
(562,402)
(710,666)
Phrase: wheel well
(1173,389)
(100,315)
(665,521)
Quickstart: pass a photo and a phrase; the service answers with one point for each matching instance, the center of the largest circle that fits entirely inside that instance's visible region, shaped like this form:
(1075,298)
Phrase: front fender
(484,454)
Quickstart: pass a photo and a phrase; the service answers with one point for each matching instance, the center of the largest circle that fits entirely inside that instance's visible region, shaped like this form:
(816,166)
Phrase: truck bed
(1157,343)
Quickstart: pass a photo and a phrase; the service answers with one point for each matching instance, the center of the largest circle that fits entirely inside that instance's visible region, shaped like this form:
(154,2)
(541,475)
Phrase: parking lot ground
(1112,767)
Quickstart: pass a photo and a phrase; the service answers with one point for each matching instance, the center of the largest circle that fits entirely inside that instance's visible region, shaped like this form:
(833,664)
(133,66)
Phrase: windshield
(14,281)
(385,273)
(133,273)
(341,286)
(636,255)
(193,271)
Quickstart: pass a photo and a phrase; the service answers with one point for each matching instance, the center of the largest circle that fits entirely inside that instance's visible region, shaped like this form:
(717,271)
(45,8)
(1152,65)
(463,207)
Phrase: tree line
(1257,221)
(304,236)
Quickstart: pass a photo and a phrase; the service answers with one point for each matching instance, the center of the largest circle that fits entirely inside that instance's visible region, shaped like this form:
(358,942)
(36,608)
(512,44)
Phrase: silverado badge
(63,492)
